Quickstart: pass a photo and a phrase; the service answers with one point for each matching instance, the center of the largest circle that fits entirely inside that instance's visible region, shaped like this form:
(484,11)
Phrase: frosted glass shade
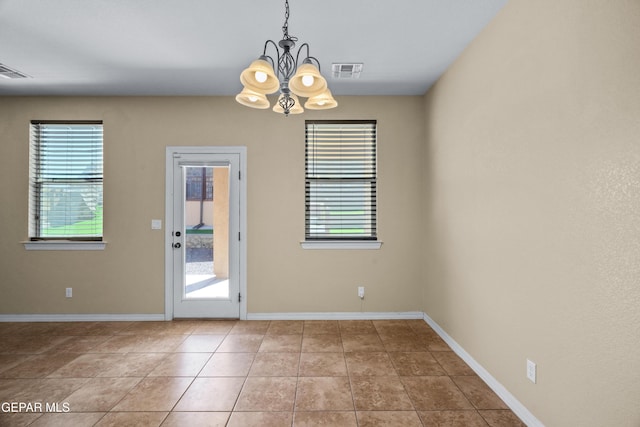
(252,99)
(324,101)
(260,67)
(297,86)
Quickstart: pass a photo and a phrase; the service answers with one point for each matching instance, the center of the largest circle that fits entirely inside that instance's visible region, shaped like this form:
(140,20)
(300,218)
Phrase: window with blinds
(340,180)
(65,174)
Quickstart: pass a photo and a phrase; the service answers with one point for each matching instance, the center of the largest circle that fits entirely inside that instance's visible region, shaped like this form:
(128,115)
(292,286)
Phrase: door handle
(177,245)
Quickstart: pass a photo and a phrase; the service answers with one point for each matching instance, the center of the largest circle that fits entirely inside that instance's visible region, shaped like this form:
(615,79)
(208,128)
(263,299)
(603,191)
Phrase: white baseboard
(336,316)
(80,317)
(518,408)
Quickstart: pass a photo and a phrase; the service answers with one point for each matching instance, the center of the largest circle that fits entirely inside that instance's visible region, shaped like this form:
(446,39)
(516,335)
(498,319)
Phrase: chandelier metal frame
(292,76)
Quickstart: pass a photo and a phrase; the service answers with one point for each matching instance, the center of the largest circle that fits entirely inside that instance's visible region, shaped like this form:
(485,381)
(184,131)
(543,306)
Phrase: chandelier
(292,78)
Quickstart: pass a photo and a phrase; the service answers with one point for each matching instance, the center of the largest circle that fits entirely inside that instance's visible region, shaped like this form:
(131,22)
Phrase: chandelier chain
(285,26)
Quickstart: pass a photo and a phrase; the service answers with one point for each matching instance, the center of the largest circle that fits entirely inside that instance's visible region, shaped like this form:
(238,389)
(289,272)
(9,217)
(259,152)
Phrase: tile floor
(239,373)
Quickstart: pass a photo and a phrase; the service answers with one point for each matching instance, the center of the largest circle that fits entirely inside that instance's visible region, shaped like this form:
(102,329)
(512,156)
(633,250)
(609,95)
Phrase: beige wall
(532,200)
(128,277)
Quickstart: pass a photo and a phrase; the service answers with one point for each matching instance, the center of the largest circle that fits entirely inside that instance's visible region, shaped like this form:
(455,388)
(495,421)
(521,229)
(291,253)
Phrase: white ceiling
(199,47)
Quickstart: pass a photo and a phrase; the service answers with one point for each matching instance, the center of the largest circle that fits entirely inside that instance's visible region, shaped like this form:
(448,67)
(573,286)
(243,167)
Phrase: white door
(204,251)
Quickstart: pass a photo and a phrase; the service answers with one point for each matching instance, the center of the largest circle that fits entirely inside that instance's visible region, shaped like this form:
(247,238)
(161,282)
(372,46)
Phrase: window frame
(37,241)
(368,178)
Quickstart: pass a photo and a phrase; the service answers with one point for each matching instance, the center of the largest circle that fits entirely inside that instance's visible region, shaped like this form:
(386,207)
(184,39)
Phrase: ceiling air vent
(10,73)
(346,71)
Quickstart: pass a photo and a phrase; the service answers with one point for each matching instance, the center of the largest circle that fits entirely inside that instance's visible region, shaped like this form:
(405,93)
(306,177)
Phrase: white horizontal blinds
(66,181)
(340,160)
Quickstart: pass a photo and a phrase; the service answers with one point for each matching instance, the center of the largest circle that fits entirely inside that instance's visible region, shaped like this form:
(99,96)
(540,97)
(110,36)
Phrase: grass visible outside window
(66,181)
(340,180)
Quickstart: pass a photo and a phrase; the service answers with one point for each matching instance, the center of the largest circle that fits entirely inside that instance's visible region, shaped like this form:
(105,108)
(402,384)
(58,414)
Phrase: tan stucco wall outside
(221,222)
(532,201)
(128,277)
(192,213)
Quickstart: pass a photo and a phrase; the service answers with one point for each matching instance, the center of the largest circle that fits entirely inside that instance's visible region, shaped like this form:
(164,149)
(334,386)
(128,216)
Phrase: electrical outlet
(361,292)
(68,292)
(531,371)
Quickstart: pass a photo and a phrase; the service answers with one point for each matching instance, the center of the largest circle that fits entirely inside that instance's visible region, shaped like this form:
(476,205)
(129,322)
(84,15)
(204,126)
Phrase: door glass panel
(206,229)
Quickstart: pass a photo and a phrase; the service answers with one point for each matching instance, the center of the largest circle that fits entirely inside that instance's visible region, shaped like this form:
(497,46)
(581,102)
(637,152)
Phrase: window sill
(347,244)
(63,245)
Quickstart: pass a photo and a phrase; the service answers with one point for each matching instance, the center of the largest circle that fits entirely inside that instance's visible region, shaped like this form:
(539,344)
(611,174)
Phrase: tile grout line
(349,377)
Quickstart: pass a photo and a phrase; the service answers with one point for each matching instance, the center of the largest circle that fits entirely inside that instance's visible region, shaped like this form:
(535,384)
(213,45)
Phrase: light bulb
(307,80)
(253,98)
(261,76)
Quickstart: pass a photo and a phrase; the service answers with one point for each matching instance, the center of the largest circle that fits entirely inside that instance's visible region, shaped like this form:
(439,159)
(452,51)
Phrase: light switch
(156,224)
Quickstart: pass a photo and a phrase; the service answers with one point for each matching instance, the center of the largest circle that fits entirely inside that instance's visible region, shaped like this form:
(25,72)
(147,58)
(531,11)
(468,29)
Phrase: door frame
(171,151)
